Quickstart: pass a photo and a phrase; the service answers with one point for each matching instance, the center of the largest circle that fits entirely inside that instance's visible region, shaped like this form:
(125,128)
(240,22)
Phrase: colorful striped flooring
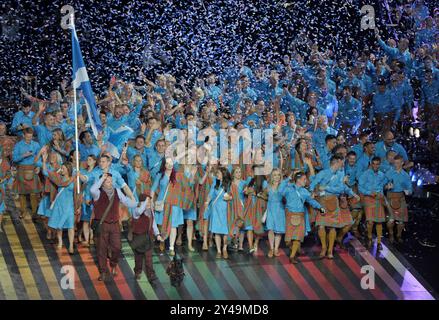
(31,268)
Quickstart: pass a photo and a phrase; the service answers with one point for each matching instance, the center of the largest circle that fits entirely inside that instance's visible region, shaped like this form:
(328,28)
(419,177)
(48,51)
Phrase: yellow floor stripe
(43,261)
(20,258)
(5,280)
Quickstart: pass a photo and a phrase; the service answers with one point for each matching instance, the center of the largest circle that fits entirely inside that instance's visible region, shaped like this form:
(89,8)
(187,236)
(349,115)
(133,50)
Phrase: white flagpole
(76,120)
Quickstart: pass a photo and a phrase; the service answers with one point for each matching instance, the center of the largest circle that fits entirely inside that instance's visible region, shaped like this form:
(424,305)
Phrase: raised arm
(129,201)
(94,189)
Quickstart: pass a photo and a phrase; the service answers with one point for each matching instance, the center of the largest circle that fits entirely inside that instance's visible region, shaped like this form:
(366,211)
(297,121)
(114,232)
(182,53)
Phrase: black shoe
(379,247)
(35,219)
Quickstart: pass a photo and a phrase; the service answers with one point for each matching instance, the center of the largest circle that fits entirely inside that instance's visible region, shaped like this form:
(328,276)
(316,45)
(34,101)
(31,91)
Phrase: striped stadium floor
(31,268)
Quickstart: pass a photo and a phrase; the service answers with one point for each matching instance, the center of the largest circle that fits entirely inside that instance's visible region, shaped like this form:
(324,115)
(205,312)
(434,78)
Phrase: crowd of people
(337,167)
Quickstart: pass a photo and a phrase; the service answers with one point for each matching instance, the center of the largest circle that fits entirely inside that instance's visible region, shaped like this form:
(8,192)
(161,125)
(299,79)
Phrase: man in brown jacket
(105,222)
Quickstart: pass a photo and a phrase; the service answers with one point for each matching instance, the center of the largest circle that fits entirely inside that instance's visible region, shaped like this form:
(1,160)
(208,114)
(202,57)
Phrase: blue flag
(82,82)
(117,140)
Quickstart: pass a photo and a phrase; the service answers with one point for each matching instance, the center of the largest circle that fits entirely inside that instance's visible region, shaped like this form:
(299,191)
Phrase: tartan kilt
(345,217)
(398,204)
(253,215)
(294,232)
(27,183)
(373,208)
(332,216)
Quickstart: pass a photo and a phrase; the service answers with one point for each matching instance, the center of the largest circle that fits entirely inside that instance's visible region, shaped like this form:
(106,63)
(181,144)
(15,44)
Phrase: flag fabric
(82,82)
(117,139)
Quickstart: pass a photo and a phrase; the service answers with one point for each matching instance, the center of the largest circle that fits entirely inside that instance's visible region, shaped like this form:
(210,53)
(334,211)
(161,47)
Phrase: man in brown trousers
(105,222)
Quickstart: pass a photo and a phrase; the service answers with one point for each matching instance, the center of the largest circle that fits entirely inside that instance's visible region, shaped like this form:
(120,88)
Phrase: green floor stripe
(232,280)
(255,280)
(171,291)
(144,284)
(191,285)
(209,278)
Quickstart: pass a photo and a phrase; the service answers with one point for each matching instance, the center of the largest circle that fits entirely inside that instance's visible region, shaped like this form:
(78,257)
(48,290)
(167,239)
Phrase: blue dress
(218,212)
(275,209)
(63,215)
(86,209)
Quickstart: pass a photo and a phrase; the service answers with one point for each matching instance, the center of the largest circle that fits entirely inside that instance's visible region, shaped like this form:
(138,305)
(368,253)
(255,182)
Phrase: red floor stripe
(356,269)
(65,260)
(122,285)
(321,280)
(93,272)
(297,277)
(353,291)
(287,293)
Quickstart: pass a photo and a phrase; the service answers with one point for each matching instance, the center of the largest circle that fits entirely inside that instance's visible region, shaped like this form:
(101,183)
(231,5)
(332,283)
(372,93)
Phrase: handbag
(141,243)
(96,225)
(395,200)
(159,205)
(295,220)
(331,203)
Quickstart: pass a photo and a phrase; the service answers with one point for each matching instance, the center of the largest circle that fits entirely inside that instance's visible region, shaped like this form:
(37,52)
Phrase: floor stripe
(379,270)
(410,286)
(14,271)
(195,274)
(262,274)
(66,260)
(32,260)
(53,259)
(377,293)
(297,277)
(2,295)
(143,283)
(182,290)
(130,279)
(159,262)
(226,287)
(244,281)
(209,278)
(351,276)
(43,261)
(322,281)
(353,291)
(190,282)
(5,279)
(119,281)
(93,272)
(22,263)
(340,287)
(291,284)
(225,267)
(248,268)
(274,275)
